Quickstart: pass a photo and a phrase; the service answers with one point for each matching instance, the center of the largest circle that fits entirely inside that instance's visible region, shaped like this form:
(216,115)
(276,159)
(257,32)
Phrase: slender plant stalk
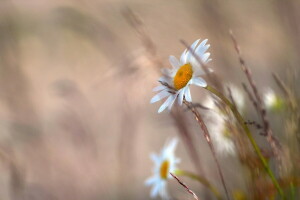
(249,135)
(185,186)
(208,139)
(200,179)
(274,143)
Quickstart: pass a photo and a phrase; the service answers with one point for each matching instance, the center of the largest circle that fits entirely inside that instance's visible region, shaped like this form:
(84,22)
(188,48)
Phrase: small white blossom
(217,127)
(218,122)
(175,82)
(164,163)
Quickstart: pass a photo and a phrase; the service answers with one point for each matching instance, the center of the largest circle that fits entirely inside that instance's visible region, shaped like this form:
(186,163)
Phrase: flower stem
(200,179)
(208,140)
(249,135)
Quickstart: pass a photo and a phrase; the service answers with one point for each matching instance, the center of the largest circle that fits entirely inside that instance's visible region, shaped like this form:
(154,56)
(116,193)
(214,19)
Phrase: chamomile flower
(219,122)
(175,82)
(218,129)
(164,163)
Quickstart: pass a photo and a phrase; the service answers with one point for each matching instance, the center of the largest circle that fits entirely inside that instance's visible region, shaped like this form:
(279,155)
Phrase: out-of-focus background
(76,78)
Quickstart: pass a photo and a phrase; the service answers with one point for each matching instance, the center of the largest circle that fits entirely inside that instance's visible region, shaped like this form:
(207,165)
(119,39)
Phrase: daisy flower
(218,121)
(163,165)
(175,82)
(217,127)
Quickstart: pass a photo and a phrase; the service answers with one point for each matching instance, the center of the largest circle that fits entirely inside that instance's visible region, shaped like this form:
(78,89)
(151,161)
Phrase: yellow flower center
(164,169)
(182,77)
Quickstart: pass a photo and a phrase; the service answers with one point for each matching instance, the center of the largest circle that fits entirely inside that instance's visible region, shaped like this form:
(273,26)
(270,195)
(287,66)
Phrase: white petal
(163,191)
(165,79)
(166,72)
(202,48)
(203,43)
(166,103)
(205,57)
(172,102)
(192,48)
(174,62)
(180,97)
(187,94)
(195,44)
(151,180)
(198,81)
(155,158)
(159,88)
(170,147)
(160,96)
(183,57)
(155,189)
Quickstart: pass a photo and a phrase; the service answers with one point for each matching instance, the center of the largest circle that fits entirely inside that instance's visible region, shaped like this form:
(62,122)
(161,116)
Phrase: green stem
(292,191)
(200,179)
(249,135)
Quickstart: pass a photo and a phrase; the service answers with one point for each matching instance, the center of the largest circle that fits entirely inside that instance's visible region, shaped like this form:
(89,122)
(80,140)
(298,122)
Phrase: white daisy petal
(183,57)
(205,57)
(193,46)
(170,147)
(172,102)
(151,180)
(165,79)
(155,190)
(160,96)
(189,54)
(206,47)
(155,158)
(166,72)
(187,94)
(202,47)
(163,191)
(159,88)
(174,62)
(203,43)
(198,81)
(166,103)
(180,97)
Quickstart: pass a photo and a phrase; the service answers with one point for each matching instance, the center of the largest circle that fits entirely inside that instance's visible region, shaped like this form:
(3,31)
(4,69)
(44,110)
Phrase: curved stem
(200,179)
(249,135)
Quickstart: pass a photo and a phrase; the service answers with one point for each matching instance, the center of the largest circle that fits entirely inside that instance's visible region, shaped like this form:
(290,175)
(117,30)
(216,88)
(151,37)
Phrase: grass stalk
(208,140)
(249,135)
(200,179)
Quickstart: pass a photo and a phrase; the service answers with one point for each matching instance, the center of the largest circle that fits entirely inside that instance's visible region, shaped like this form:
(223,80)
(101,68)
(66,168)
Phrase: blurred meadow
(76,79)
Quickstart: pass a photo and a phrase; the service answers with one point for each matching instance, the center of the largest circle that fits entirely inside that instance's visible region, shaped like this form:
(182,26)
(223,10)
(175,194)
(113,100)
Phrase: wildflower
(164,164)
(218,124)
(175,82)
(272,101)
